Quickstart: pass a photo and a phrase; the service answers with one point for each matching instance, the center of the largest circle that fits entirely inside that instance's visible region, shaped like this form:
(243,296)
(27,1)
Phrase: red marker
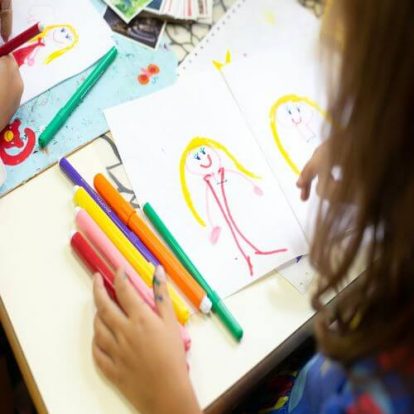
(93,262)
(20,39)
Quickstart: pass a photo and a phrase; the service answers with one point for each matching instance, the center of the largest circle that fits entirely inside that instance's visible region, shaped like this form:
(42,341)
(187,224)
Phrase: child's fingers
(104,362)
(107,309)
(161,295)
(127,296)
(104,337)
(5,19)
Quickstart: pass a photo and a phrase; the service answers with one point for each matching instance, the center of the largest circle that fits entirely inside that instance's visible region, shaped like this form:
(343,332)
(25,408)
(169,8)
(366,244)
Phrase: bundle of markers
(112,235)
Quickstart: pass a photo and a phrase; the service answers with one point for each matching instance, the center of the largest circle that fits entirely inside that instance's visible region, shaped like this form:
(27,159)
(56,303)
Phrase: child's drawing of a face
(62,36)
(202,161)
(294,114)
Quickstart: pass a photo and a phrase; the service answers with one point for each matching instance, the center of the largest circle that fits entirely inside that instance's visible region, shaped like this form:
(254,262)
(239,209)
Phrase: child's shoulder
(326,387)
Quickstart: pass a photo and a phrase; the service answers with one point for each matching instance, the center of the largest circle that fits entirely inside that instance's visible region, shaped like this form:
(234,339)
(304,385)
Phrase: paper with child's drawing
(253,26)
(74,37)
(187,150)
(285,108)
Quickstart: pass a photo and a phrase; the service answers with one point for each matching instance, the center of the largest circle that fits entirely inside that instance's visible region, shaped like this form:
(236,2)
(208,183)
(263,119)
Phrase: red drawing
(26,53)
(13,148)
(147,73)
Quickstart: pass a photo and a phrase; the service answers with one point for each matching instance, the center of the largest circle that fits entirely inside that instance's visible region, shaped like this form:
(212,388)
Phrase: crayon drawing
(219,65)
(15,147)
(295,121)
(204,158)
(53,42)
(73,39)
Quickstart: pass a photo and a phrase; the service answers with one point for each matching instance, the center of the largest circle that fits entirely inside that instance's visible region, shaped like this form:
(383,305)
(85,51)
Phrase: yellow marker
(137,261)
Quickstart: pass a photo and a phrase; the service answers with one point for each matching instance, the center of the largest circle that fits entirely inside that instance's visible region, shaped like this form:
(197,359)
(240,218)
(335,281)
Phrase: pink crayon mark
(215,234)
(247,258)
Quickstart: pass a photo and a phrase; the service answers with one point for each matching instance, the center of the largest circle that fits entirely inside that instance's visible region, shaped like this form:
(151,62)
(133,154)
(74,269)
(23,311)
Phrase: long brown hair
(372,140)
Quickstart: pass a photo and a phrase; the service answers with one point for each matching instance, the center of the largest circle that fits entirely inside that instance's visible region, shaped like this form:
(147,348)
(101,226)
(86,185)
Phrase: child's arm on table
(140,352)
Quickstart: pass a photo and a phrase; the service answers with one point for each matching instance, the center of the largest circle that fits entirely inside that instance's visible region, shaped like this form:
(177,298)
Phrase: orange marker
(173,267)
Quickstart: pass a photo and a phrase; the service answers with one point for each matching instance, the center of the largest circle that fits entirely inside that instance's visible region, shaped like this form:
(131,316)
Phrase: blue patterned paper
(119,84)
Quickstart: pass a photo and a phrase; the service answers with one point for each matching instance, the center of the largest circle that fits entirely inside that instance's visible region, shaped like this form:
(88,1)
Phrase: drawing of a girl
(295,113)
(202,158)
(55,40)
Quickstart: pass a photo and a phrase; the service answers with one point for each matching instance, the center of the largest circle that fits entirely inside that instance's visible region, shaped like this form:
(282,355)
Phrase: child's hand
(141,352)
(316,167)
(11,89)
(5,19)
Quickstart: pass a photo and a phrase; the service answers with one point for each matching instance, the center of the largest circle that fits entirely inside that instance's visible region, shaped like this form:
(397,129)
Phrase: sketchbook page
(250,27)
(284,105)
(188,152)
(74,37)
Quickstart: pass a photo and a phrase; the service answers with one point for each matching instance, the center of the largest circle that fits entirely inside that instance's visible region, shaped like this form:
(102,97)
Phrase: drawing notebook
(188,151)
(250,27)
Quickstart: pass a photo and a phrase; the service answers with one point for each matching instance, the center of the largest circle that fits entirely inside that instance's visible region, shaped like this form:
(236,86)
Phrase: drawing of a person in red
(202,158)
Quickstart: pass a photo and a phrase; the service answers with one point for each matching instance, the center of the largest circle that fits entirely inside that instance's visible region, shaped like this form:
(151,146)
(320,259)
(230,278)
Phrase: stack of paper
(200,10)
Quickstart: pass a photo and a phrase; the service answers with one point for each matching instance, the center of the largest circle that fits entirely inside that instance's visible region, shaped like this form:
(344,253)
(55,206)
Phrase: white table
(48,308)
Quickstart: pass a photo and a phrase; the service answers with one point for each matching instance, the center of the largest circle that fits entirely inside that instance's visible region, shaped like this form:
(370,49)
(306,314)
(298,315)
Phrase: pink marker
(112,255)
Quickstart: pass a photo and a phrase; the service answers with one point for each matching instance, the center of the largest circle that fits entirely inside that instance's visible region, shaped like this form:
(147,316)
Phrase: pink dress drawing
(26,54)
(206,162)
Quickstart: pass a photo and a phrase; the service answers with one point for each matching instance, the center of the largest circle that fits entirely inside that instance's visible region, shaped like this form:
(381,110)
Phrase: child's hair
(57,53)
(195,143)
(372,141)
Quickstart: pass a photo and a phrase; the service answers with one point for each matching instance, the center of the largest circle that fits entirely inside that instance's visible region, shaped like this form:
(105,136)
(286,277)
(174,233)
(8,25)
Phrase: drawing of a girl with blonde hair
(293,121)
(53,42)
(203,158)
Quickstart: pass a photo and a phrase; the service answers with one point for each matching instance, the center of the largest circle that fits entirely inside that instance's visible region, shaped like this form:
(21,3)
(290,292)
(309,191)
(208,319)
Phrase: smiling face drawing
(295,120)
(294,114)
(203,161)
(62,36)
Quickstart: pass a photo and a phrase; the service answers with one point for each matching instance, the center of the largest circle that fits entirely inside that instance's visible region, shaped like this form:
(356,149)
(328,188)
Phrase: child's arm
(140,351)
(11,89)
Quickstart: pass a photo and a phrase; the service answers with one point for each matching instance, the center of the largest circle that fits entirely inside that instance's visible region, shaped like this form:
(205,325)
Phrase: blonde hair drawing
(273,124)
(195,143)
(57,53)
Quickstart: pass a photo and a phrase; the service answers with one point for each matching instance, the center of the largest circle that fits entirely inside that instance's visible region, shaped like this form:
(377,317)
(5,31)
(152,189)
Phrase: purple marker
(77,179)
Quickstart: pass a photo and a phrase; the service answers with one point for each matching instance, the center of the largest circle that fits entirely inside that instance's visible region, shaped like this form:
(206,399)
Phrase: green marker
(63,115)
(218,305)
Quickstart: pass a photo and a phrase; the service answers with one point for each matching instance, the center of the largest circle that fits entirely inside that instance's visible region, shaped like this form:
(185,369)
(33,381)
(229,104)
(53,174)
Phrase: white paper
(74,38)
(250,27)
(249,216)
(284,103)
